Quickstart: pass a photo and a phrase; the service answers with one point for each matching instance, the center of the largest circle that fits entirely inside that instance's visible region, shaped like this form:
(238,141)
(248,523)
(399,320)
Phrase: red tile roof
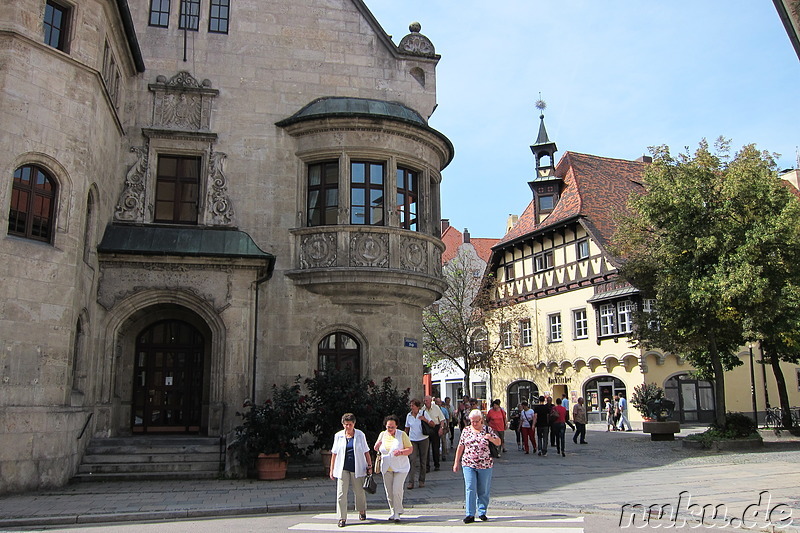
(453,239)
(596,188)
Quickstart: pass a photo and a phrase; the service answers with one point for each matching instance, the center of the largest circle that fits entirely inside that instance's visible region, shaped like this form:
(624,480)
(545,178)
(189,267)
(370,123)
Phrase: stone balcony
(368,264)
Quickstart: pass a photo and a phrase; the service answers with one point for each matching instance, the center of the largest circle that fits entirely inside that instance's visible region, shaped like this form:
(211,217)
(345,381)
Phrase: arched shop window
(598,389)
(694,398)
(519,391)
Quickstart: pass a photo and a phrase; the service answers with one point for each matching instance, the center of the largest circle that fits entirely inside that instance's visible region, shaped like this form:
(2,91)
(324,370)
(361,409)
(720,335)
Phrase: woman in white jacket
(394,447)
(350,462)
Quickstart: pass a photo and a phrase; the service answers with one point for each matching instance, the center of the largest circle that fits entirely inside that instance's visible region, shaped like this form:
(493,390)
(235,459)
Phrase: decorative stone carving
(219,203)
(413,255)
(181,103)
(131,202)
(318,251)
(369,250)
(415,43)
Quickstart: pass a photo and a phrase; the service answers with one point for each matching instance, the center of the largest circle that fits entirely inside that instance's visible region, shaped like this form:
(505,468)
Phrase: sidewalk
(612,469)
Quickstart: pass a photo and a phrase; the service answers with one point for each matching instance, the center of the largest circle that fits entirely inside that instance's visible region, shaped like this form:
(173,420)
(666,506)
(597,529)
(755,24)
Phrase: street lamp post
(753,386)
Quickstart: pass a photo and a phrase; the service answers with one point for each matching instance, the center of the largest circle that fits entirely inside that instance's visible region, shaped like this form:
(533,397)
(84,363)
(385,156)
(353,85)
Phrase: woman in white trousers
(394,447)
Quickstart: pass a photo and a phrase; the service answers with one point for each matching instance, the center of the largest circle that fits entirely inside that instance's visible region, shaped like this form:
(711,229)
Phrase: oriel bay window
(407,197)
(323,194)
(366,193)
(177,189)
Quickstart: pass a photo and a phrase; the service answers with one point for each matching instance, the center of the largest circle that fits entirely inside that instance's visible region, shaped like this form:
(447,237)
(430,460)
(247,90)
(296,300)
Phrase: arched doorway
(596,390)
(168,378)
(694,398)
(519,391)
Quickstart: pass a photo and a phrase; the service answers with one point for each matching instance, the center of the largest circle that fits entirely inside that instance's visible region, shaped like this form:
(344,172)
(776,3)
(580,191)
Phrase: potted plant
(269,433)
(642,395)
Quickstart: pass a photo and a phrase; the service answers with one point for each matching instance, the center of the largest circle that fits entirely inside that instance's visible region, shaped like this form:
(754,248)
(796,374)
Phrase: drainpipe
(258,283)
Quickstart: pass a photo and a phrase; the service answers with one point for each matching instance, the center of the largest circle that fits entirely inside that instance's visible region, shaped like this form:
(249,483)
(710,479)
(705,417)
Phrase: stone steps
(150,457)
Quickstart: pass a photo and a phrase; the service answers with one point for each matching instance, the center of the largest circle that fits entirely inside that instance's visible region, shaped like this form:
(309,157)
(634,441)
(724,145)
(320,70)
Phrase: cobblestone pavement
(613,469)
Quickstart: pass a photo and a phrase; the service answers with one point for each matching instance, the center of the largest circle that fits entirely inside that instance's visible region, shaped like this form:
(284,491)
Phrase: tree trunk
(719,382)
(466,381)
(783,394)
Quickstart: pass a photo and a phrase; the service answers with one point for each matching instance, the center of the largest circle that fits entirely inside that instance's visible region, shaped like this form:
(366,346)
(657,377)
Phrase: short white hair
(475,413)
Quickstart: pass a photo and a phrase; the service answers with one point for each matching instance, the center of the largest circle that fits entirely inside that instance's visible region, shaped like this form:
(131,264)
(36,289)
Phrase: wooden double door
(168,379)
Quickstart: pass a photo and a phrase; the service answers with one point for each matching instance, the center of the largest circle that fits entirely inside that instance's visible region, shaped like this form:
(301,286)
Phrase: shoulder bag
(494,449)
(427,430)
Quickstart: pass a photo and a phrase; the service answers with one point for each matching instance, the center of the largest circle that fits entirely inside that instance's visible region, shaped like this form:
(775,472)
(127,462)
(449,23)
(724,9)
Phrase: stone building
(204,198)
(555,268)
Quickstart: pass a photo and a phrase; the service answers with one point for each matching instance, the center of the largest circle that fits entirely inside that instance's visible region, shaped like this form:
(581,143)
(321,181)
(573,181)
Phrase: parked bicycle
(774,417)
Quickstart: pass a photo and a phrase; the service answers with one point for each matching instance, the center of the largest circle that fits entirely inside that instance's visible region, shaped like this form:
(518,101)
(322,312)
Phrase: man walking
(445,425)
(435,414)
(542,411)
(579,417)
(623,413)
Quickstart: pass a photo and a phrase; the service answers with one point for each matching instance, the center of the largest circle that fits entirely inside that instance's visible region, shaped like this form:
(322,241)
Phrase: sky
(617,77)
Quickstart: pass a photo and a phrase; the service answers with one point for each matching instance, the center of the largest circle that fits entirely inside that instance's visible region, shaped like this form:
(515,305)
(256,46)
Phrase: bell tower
(546,186)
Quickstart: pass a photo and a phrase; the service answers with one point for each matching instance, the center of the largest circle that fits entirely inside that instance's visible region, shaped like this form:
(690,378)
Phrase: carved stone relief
(415,43)
(220,209)
(318,251)
(131,202)
(369,250)
(413,255)
(181,103)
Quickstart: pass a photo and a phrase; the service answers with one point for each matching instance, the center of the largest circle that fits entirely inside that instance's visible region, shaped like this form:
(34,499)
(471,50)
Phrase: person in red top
(496,418)
(559,426)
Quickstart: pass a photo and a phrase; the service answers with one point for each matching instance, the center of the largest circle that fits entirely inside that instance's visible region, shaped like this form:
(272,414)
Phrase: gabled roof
(595,189)
(453,239)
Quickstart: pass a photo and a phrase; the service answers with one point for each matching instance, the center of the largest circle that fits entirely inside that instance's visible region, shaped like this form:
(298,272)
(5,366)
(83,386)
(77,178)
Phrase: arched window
(694,398)
(598,389)
(522,391)
(33,199)
(339,351)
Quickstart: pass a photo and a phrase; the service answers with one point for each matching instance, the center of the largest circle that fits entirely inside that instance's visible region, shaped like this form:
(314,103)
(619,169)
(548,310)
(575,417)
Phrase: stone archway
(135,317)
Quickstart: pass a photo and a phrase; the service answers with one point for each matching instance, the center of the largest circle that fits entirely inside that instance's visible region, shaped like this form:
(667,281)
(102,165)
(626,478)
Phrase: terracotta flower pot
(270,466)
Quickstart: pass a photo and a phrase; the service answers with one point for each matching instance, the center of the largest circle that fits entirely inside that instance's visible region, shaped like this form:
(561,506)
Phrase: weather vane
(541,105)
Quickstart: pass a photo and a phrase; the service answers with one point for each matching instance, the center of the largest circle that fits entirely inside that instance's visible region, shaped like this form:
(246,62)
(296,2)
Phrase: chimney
(445,224)
(466,236)
(511,221)
(645,159)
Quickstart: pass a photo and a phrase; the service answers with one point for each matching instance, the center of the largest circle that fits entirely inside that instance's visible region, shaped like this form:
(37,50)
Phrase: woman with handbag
(394,447)
(496,418)
(350,462)
(416,421)
(476,461)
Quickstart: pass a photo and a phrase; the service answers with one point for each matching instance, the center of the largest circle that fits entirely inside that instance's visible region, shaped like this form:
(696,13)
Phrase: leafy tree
(674,245)
(765,266)
(458,329)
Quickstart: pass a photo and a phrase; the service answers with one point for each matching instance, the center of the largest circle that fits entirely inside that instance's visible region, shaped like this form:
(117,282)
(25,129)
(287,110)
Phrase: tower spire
(543,149)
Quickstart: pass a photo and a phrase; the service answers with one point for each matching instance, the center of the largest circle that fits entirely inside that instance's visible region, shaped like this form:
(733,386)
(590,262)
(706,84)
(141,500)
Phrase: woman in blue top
(350,462)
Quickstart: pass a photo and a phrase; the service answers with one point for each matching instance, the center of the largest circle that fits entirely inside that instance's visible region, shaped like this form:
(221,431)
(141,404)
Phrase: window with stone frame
(608,313)
(408,198)
(322,208)
(525,332)
(366,193)
(580,324)
(505,335)
(554,327)
(56,25)
(33,199)
(189,15)
(159,13)
(177,189)
(339,351)
(218,18)
(480,342)
(110,74)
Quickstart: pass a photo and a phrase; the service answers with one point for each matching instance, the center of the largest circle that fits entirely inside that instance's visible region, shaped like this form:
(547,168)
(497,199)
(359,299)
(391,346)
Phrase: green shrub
(737,426)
